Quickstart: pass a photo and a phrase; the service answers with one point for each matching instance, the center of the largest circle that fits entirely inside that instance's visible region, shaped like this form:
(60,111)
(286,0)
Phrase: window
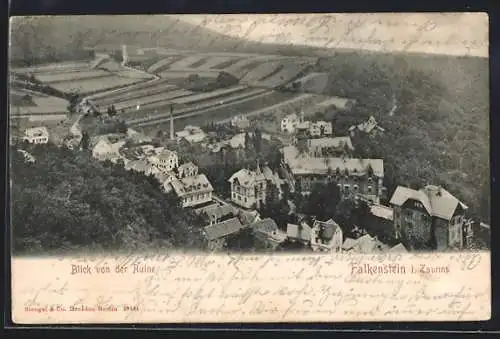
(356,188)
(370,189)
(346,188)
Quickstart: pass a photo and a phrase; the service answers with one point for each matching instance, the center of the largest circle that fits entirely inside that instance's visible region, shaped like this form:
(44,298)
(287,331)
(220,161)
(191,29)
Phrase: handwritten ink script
(245,288)
(435,33)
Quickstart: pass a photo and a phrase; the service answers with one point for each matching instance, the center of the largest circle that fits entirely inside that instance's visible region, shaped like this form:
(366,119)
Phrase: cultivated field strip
(94,85)
(260,72)
(285,74)
(183,73)
(291,105)
(223,111)
(242,67)
(213,62)
(148,114)
(130,89)
(314,82)
(215,99)
(52,67)
(209,95)
(186,62)
(152,99)
(163,64)
(71,76)
(132,94)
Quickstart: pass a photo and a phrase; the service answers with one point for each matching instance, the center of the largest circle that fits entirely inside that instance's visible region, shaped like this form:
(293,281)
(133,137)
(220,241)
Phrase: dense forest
(65,200)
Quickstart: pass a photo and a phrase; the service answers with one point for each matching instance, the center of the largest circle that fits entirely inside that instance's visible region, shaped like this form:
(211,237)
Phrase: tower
(172,136)
(124,55)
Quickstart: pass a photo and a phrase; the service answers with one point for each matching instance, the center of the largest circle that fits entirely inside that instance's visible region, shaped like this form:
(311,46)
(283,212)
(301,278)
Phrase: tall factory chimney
(172,136)
(124,54)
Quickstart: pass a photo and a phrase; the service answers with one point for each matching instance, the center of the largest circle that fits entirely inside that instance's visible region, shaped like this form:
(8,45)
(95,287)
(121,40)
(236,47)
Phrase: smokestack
(172,137)
(124,54)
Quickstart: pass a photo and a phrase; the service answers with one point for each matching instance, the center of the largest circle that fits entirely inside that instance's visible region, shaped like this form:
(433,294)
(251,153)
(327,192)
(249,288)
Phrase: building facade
(430,218)
(37,135)
(193,191)
(248,188)
(166,161)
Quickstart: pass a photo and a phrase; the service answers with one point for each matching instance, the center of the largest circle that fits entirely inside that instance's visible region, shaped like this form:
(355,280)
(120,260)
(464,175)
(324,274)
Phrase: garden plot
(286,72)
(242,67)
(89,86)
(311,83)
(188,62)
(50,78)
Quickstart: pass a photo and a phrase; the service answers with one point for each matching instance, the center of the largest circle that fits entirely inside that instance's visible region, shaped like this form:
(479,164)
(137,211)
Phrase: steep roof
(186,166)
(381,211)
(269,228)
(223,229)
(437,201)
(331,142)
(399,248)
(305,164)
(247,178)
(198,183)
(36,132)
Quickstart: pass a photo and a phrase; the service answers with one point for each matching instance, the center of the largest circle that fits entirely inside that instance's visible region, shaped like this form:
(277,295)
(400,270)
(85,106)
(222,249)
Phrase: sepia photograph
(266,135)
(164,132)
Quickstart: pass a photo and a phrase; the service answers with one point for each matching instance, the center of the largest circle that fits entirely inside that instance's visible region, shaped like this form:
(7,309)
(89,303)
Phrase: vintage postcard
(250,168)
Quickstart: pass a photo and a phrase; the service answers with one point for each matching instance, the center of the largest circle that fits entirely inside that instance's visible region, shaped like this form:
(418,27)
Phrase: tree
(85,142)
(322,201)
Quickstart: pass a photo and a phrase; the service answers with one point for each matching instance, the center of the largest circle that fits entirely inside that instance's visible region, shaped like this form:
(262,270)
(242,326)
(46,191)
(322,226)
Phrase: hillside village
(342,152)
(311,155)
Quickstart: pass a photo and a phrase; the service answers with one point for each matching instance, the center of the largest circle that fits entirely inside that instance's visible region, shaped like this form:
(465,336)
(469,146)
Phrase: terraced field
(184,73)
(163,64)
(261,72)
(39,106)
(54,78)
(313,83)
(152,99)
(132,93)
(219,62)
(88,86)
(216,113)
(57,67)
(191,104)
(286,72)
(188,62)
(139,87)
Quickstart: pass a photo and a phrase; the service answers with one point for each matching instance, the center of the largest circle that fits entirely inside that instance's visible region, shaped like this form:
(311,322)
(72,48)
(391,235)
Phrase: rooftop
(223,229)
(247,177)
(381,211)
(305,164)
(437,201)
(36,132)
(336,142)
(198,183)
(302,232)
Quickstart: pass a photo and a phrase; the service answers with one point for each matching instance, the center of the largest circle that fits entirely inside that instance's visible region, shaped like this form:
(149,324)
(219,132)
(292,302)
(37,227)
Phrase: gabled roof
(306,164)
(247,178)
(399,248)
(223,229)
(331,142)
(437,201)
(349,243)
(198,183)
(166,154)
(36,131)
(248,217)
(269,228)
(186,166)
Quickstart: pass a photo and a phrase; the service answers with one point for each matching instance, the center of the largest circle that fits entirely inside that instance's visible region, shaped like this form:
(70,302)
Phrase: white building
(166,161)
(289,123)
(191,134)
(105,150)
(36,135)
(193,191)
(187,170)
(370,127)
(248,188)
(321,128)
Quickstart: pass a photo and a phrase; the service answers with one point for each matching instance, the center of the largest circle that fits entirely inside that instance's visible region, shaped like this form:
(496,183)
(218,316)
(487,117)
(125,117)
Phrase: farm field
(217,101)
(137,87)
(134,94)
(313,83)
(53,67)
(286,72)
(192,61)
(151,99)
(163,64)
(260,72)
(94,85)
(51,78)
(242,67)
(200,117)
(216,61)
(184,73)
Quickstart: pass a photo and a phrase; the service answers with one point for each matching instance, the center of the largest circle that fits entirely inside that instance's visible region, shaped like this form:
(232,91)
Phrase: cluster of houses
(36,135)
(296,123)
